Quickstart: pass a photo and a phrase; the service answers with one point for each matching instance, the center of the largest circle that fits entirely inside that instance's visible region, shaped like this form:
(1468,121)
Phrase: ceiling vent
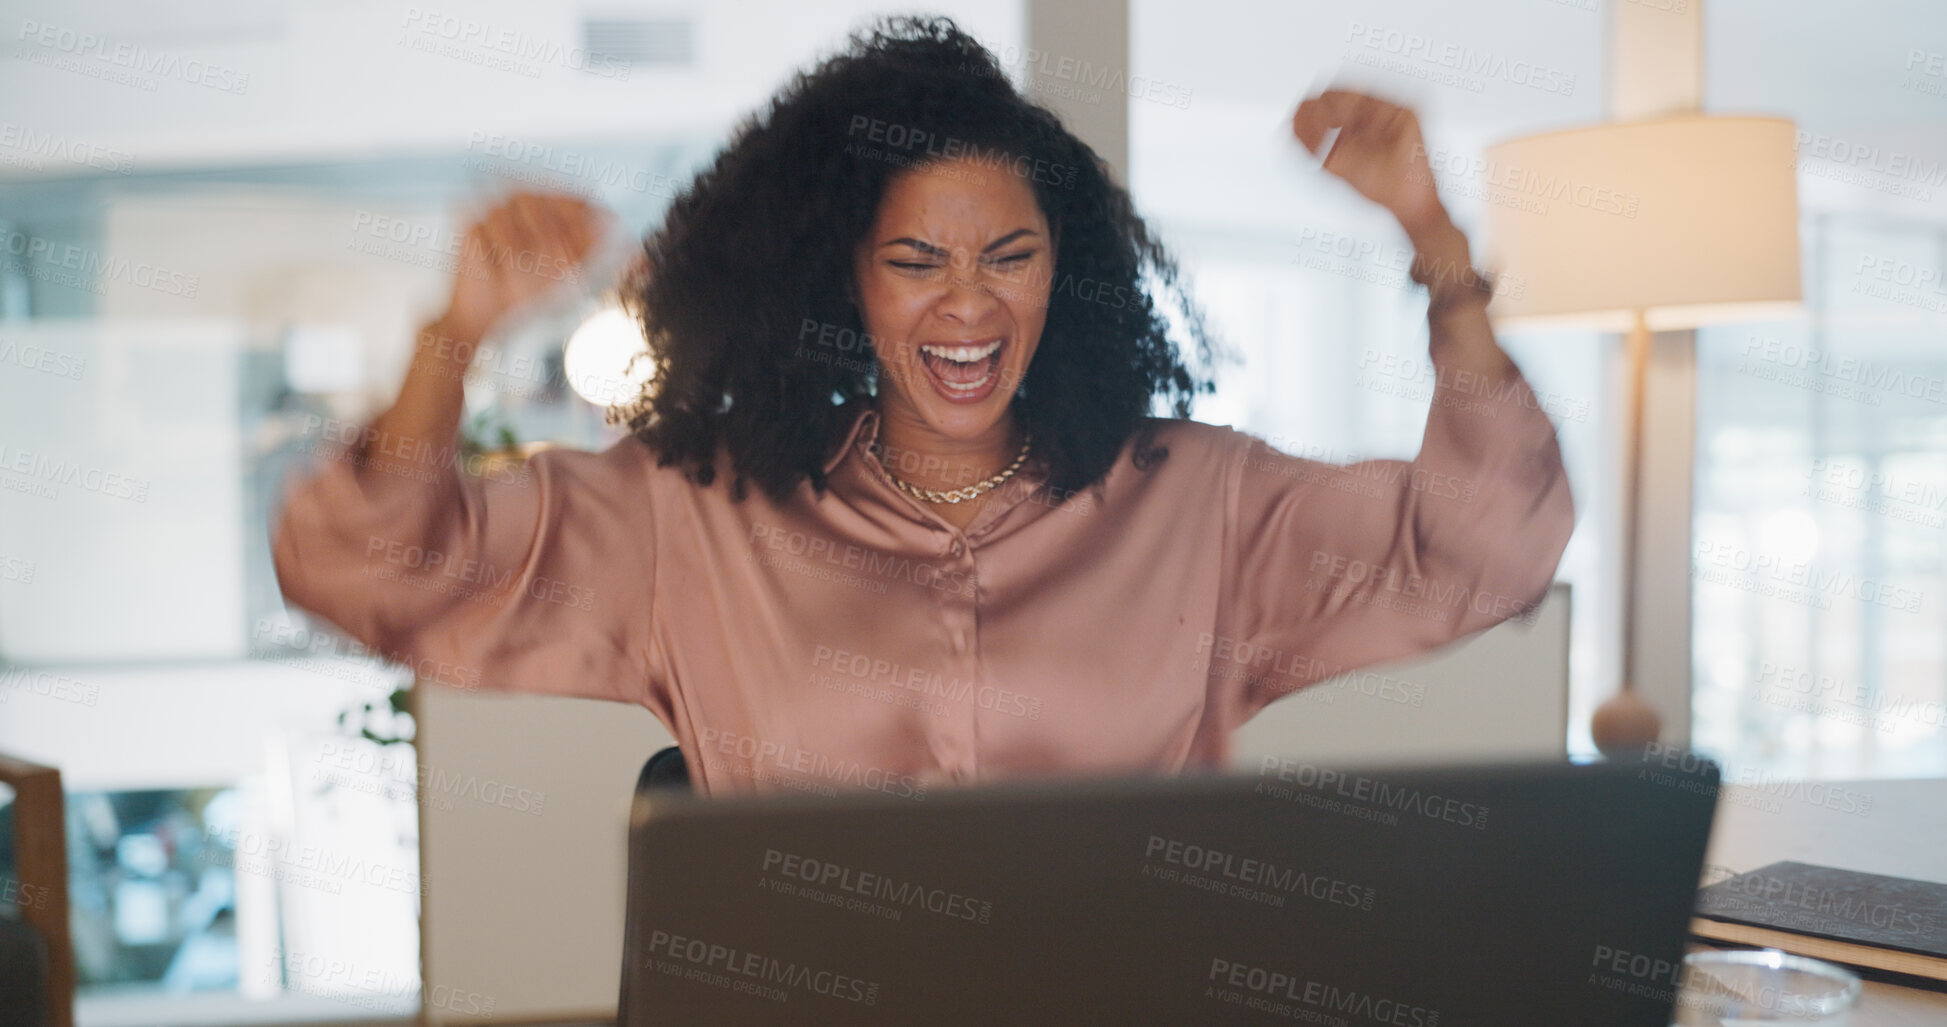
(641,42)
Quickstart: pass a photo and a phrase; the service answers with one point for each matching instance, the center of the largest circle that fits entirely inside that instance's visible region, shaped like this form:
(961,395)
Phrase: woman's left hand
(1379,151)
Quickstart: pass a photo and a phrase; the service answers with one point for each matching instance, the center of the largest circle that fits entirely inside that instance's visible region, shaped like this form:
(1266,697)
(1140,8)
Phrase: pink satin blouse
(856,640)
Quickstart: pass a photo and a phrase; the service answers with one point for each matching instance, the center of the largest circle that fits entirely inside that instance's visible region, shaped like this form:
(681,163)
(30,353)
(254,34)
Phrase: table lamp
(1656,225)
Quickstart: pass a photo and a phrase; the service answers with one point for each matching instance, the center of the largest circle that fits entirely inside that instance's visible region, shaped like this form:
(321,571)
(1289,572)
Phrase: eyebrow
(932,250)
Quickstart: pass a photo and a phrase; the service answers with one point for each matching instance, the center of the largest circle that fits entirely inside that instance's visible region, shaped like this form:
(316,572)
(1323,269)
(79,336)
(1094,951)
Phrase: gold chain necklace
(966,492)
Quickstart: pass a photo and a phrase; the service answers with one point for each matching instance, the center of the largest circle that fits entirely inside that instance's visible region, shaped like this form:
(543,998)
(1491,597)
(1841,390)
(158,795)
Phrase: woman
(912,309)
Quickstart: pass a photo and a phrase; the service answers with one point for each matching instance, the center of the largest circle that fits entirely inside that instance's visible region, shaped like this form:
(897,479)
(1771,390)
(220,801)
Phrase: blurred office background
(221,221)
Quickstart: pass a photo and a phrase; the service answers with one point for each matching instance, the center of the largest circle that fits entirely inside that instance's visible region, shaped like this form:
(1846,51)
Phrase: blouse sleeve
(1337,567)
(529,579)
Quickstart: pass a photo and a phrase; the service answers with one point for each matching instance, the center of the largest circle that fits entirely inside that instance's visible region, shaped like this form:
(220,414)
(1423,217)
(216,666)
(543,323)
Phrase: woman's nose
(967,293)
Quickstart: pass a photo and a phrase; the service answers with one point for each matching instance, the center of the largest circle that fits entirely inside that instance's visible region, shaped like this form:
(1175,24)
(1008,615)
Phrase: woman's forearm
(418,432)
(1462,338)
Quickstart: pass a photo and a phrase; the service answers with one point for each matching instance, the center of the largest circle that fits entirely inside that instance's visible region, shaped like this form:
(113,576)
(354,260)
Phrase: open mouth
(963,372)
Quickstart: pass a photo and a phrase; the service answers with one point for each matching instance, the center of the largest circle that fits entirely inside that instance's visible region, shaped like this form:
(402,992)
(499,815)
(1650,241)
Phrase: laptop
(1532,894)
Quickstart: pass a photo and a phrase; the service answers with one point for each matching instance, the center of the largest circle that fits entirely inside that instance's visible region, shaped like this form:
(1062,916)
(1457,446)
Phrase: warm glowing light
(596,361)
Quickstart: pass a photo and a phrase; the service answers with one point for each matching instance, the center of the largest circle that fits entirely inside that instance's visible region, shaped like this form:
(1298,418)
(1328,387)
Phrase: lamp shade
(1690,220)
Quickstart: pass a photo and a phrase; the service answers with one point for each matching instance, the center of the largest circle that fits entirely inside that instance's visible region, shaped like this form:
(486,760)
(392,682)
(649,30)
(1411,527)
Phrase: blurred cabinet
(524,819)
(122,491)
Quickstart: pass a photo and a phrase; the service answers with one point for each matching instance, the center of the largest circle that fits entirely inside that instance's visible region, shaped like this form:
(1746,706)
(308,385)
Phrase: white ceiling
(1228,160)
(332,80)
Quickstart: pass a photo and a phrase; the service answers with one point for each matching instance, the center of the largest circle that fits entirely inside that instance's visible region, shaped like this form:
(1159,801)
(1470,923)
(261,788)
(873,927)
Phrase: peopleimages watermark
(1791,904)
(1283,673)
(868,671)
(1894,494)
(792,766)
(1510,185)
(913,465)
(849,349)
(1634,973)
(1920,286)
(1352,579)
(1836,698)
(376,770)
(753,973)
(1074,78)
(347,658)
(864,891)
(442,249)
(37,144)
(17,569)
(1925,71)
(21,895)
(88,54)
(1448,63)
(1418,379)
(38,473)
(1384,263)
(811,550)
(1725,562)
(88,269)
(419,459)
(1887,171)
(501,47)
(513,372)
(367,987)
(466,577)
(927,147)
(1855,378)
(1288,779)
(1253,880)
(560,167)
(48,685)
(1677,767)
(1295,996)
(32,357)
(1343,471)
(317,867)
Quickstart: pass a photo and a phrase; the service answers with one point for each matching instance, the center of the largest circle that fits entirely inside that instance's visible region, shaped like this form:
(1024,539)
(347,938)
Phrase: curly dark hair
(761,244)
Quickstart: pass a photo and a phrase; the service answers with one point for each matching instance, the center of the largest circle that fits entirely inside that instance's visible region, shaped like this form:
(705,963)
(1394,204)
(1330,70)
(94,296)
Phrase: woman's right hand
(529,243)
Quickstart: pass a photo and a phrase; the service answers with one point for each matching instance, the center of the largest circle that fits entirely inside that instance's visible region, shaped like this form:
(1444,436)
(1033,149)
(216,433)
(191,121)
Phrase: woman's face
(953,282)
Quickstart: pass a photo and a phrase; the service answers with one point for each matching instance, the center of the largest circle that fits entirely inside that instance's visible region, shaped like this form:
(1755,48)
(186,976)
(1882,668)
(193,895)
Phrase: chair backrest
(665,769)
(23,975)
(662,772)
(40,992)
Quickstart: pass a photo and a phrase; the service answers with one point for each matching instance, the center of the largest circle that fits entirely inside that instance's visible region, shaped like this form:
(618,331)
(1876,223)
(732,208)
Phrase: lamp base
(1624,726)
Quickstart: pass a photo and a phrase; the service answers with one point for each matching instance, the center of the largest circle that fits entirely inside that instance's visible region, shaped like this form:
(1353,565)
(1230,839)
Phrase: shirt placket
(954,738)
(958,606)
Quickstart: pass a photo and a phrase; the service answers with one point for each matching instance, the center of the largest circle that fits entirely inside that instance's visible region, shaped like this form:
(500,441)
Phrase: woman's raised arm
(1335,568)
(533,578)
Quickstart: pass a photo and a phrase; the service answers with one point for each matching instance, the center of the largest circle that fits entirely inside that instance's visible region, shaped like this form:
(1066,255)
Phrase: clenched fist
(1379,151)
(529,243)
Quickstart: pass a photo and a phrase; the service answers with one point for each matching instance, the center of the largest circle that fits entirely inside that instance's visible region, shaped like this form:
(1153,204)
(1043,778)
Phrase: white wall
(1498,696)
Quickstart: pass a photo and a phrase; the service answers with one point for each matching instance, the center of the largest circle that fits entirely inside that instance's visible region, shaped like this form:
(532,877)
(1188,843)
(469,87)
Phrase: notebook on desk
(1891,928)
(1406,897)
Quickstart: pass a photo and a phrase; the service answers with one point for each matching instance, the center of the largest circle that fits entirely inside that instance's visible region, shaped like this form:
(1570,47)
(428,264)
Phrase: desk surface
(1899,829)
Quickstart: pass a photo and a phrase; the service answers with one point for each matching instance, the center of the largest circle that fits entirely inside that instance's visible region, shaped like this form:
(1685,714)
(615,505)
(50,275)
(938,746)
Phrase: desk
(1901,832)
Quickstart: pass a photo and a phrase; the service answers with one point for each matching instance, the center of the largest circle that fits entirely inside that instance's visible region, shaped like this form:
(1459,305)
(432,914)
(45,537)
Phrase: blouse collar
(863,433)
